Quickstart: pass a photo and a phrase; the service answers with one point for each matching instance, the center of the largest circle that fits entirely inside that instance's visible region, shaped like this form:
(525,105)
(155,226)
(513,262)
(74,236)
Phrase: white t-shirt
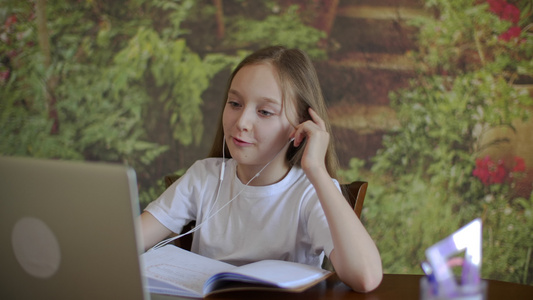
(282,221)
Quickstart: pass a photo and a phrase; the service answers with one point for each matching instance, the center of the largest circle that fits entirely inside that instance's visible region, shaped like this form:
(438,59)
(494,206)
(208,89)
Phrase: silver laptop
(68,231)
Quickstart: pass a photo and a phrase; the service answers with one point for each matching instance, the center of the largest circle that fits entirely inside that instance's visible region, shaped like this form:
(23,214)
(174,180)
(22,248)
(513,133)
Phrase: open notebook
(68,231)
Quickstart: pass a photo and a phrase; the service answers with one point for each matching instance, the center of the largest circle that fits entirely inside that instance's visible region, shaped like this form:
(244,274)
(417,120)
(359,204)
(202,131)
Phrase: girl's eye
(265,113)
(234,104)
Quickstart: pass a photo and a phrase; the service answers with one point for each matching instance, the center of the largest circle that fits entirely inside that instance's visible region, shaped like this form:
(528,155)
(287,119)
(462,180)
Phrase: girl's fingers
(308,128)
(316,118)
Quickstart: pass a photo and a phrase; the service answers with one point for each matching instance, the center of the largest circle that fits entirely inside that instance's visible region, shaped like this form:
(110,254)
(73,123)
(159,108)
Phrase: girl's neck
(273,173)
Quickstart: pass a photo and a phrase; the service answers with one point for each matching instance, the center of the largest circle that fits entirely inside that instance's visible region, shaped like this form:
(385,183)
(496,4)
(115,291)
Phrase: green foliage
(118,84)
(508,239)
(123,79)
(178,75)
(354,171)
(443,117)
(466,37)
(421,185)
(285,28)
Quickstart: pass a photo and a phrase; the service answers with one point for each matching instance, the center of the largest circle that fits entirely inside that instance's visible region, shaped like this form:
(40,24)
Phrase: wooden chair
(354,193)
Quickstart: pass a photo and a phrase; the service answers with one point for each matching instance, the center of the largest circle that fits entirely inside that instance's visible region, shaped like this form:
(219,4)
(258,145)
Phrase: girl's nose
(244,122)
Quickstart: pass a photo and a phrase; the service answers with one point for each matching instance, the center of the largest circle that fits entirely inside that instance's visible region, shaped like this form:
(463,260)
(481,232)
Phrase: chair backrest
(354,193)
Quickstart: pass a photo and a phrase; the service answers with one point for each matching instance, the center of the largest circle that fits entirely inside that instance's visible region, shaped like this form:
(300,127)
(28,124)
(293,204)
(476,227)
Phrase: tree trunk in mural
(327,15)
(50,83)
(219,15)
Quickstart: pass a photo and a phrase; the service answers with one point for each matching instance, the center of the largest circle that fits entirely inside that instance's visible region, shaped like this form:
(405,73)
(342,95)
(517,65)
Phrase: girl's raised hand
(315,132)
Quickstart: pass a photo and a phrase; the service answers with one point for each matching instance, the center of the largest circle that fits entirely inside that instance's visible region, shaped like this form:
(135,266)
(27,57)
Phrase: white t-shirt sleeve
(178,204)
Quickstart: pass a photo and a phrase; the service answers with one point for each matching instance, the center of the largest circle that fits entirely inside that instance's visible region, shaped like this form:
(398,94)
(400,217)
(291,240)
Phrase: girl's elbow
(370,283)
(362,273)
(362,282)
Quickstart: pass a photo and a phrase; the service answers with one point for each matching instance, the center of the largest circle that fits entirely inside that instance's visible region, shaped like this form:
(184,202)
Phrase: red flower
(4,76)
(10,21)
(510,13)
(490,172)
(504,10)
(520,165)
(497,172)
(513,32)
(496,6)
(482,169)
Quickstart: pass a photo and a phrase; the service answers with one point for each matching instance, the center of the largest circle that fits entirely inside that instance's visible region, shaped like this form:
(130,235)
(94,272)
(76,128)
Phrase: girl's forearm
(355,256)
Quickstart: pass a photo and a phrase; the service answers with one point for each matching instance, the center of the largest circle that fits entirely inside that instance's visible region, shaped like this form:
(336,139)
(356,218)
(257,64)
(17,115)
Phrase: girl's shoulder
(205,167)
(208,164)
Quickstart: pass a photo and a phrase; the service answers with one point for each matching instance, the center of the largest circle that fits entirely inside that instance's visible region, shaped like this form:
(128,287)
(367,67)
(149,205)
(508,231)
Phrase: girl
(268,190)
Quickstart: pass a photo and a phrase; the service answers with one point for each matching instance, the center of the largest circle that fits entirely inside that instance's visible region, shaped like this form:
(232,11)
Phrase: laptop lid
(68,231)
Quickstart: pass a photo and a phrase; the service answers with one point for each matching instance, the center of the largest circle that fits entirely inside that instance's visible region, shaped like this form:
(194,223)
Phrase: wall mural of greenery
(140,82)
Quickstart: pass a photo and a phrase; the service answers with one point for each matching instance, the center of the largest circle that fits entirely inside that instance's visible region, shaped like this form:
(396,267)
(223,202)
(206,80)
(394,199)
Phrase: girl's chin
(242,160)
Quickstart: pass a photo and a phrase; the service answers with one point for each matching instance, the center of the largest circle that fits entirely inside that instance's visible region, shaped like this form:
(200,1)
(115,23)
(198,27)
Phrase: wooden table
(393,286)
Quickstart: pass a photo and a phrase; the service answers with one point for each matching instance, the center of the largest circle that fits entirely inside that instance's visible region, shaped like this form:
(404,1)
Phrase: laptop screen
(68,230)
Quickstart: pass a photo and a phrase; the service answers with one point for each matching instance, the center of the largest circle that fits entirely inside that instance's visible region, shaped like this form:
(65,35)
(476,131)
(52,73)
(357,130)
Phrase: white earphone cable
(198,226)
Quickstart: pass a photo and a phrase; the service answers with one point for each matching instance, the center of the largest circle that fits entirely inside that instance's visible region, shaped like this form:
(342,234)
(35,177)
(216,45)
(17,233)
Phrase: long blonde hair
(299,81)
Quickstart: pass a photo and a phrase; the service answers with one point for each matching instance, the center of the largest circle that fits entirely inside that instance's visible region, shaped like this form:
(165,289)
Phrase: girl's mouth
(239,142)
